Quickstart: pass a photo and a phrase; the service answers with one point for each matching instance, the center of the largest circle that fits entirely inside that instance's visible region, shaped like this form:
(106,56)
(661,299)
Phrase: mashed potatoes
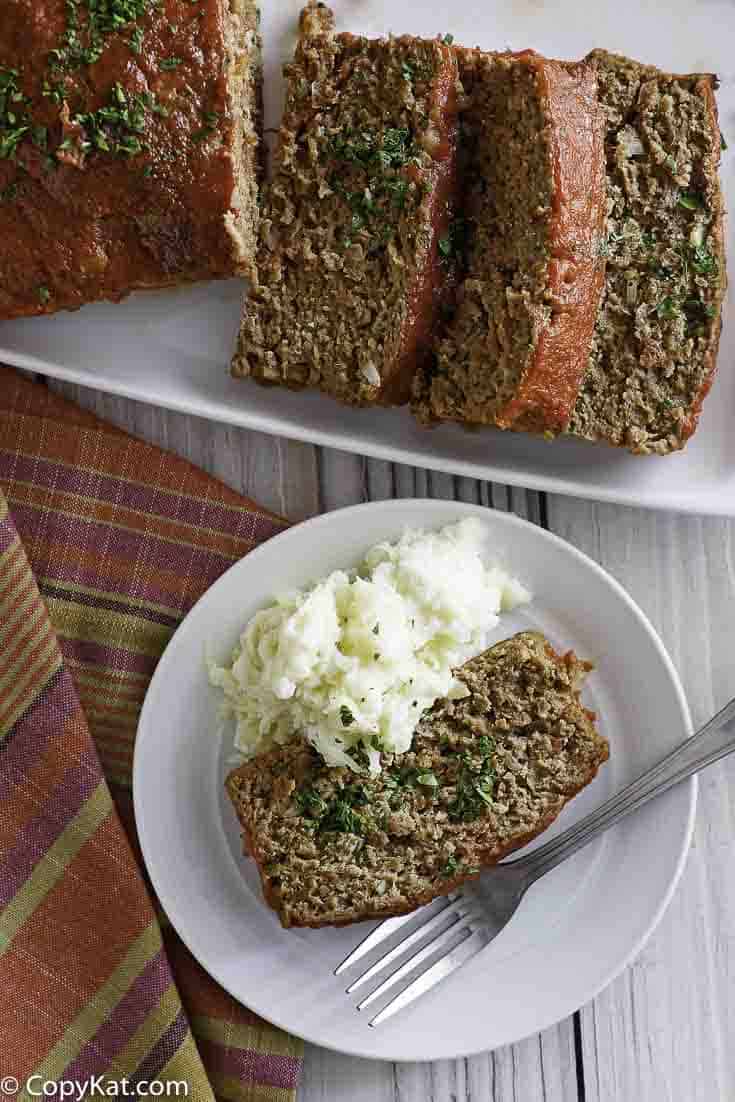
(353,661)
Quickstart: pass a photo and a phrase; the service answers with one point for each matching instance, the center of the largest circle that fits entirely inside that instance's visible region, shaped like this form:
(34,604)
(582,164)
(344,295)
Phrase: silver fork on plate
(455,927)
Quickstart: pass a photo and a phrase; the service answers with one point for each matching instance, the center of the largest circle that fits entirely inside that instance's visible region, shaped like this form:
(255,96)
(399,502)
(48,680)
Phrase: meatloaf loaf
(349,260)
(128,147)
(655,344)
(532,227)
(485,775)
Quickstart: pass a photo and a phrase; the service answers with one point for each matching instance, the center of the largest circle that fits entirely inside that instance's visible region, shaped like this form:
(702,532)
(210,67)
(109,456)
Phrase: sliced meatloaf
(485,775)
(655,345)
(128,147)
(349,260)
(532,172)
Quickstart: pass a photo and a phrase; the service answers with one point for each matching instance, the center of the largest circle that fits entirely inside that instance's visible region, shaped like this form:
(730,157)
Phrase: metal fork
(457,926)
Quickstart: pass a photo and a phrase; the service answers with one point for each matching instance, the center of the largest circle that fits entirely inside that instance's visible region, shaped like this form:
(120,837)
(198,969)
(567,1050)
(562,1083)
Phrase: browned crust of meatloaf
(517,348)
(288,773)
(549,386)
(81,220)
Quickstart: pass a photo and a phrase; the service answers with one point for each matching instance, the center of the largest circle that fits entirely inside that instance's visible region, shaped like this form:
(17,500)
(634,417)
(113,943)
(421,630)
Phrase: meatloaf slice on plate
(128,148)
(533,206)
(485,774)
(654,350)
(349,263)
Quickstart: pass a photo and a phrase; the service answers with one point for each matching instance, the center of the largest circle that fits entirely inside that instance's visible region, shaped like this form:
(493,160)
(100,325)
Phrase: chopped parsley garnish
(9,141)
(75,51)
(115,127)
(723,143)
(346,716)
(396,147)
(391,149)
(337,814)
(108,16)
(379,156)
(84,38)
(53,90)
(399,777)
(13,122)
(416,70)
(170,62)
(451,866)
(43,295)
(667,308)
(355,795)
(396,188)
(10,94)
(310,803)
(485,746)
(211,118)
(702,260)
(341,818)
(448,39)
(690,200)
(697,313)
(474,784)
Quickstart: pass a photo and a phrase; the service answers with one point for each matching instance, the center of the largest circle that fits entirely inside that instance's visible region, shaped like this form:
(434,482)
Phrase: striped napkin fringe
(105,543)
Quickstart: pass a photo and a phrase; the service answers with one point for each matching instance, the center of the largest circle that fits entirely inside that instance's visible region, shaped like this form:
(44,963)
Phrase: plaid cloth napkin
(105,543)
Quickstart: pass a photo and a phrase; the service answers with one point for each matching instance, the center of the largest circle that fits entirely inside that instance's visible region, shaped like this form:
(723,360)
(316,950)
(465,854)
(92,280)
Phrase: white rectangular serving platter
(173,348)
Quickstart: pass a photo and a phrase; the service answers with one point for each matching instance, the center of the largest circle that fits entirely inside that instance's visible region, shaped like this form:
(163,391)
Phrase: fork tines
(448,933)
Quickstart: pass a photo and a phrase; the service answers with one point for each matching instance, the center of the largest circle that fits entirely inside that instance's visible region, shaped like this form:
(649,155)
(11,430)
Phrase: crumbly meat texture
(484,776)
(532,166)
(244,76)
(128,148)
(655,345)
(350,263)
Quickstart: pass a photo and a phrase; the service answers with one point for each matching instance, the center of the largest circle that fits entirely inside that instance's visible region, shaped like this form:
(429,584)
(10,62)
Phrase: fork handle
(709,744)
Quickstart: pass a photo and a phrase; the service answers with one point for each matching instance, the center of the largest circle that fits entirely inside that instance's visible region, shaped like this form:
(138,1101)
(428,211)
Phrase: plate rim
(718,502)
(395,505)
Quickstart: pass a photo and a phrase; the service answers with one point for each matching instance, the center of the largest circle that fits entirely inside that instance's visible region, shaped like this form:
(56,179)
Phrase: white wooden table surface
(665,1030)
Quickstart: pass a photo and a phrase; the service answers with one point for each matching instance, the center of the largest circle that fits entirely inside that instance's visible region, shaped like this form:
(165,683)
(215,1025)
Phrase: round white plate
(575,930)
